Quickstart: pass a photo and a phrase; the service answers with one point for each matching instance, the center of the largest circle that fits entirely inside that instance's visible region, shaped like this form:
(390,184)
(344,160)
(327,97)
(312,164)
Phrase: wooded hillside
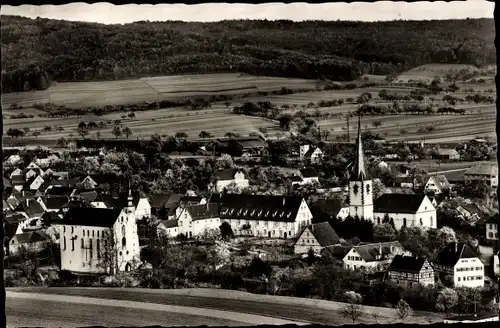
(35,52)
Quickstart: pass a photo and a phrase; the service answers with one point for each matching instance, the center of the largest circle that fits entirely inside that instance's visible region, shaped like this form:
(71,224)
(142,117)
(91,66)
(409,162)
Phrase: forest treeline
(36,52)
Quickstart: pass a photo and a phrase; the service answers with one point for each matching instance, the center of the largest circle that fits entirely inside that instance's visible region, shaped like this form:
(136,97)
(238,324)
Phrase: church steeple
(360,173)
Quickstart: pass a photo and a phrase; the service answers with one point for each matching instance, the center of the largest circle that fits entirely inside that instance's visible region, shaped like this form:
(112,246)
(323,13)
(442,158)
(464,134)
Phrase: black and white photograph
(226,164)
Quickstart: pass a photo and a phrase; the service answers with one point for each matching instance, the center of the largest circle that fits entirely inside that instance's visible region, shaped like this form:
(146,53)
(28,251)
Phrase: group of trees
(66,51)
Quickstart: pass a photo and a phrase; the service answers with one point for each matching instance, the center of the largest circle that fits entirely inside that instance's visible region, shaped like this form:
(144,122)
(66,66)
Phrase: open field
(435,166)
(122,92)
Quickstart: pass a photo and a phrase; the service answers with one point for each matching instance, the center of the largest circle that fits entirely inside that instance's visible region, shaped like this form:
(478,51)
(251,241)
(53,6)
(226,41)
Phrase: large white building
(458,263)
(406,210)
(375,257)
(483,172)
(99,240)
(403,209)
(266,216)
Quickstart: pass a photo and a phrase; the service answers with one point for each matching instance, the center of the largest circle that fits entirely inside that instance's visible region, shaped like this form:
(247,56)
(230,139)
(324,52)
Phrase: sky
(107,13)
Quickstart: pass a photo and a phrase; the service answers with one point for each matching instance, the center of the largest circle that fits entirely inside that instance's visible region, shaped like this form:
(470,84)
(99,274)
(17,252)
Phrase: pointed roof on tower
(359,172)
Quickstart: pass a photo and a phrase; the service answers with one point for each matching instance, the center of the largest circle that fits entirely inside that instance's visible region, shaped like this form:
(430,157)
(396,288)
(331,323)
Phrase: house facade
(97,240)
(437,184)
(483,172)
(194,220)
(375,257)
(458,264)
(316,237)
(492,230)
(311,153)
(265,216)
(410,270)
(224,178)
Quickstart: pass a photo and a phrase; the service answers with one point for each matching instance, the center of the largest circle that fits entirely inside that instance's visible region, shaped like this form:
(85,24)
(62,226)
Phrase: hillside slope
(34,52)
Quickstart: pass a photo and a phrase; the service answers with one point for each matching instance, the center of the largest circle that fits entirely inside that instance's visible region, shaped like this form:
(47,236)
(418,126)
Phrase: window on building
(88,233)
(124,242)
(83,233)
(98,248)
(404,222)
(92,233)
(64,229)
(72,230)
(64,242)
(90,249)
(83,246)
(72,244)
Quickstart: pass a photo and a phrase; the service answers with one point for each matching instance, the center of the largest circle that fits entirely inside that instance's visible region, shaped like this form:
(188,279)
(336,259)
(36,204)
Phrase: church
(405,210)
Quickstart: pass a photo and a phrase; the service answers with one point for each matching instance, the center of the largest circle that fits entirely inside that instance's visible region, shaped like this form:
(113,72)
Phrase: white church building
(402,209)
(99,240)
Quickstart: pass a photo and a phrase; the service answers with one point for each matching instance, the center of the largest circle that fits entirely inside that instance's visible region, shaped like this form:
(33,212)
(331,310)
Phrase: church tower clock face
(355,188)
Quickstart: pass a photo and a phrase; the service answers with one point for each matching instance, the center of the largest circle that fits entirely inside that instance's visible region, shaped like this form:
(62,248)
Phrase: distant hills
(38,51)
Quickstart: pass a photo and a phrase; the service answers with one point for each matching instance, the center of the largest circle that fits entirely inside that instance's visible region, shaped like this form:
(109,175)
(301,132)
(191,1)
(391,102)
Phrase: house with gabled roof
(410,270)
(310,153)
(263,215)
(164,205)
(446,154)
(327,209)
(492,229)
(226,177)
(18,182)
(34,183)
(470,211)
(99,240)
(375,257)
(437,184)
(406,210)
(169,228)
(34,241)
(7,186)
(460,265)
(194,220)
(15,172)
(47,160)
(305,175)
(32,165)
(316,237)
(140,202)
(31,207)
(483,172)
(53,204)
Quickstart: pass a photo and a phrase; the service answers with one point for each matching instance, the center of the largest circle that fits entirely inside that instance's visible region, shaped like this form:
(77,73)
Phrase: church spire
(360,172)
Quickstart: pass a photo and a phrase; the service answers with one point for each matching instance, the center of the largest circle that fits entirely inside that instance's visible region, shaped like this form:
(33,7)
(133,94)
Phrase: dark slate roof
(10,229)
(483,169)
(324,234)
(442,181)
(6,183)
(65,182)
(163,200)
(369,252)
(453,252)
(121,200)
(169,223)
(402,263)
(18,180)
(30,237)
(296,178)
(14,217)
(190,200)
(330,207)
(55,203)
(89,196)
(337,251)
(398,203)
(492,219)
(245,142)
(31,207)
(49,217)
(59,191)
(260,207)
(203,212)
(308,172)
(91,217)
(471,208)
(227,174)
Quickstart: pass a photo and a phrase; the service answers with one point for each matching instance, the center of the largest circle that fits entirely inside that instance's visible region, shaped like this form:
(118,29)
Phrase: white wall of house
(32,165)
(496,265)
(433,185)
(98,204)
(90,259)
(425,216)
(361,203)
(310,180)
(239,180)
(468,273)
(171,232)
(354,261)
(343,213)
(305,242)
(17,171)
(491,231)
(303,150)
(143,209)
(191,228)
(316,155)
(491,180)
(36,183)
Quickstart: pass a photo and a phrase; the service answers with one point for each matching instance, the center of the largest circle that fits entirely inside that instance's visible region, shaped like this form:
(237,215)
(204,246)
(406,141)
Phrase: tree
(227,103)
(447,300)
(403,310)
(117,132)
(447,235)
(205,135)
(181,136)
(376,124)
(352,310)
(131,115)
(375,315)
(36,134)
(226,231)
(82,125)
(384,232)
(62,142)
(127,132)
(92,125)
(83,132)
